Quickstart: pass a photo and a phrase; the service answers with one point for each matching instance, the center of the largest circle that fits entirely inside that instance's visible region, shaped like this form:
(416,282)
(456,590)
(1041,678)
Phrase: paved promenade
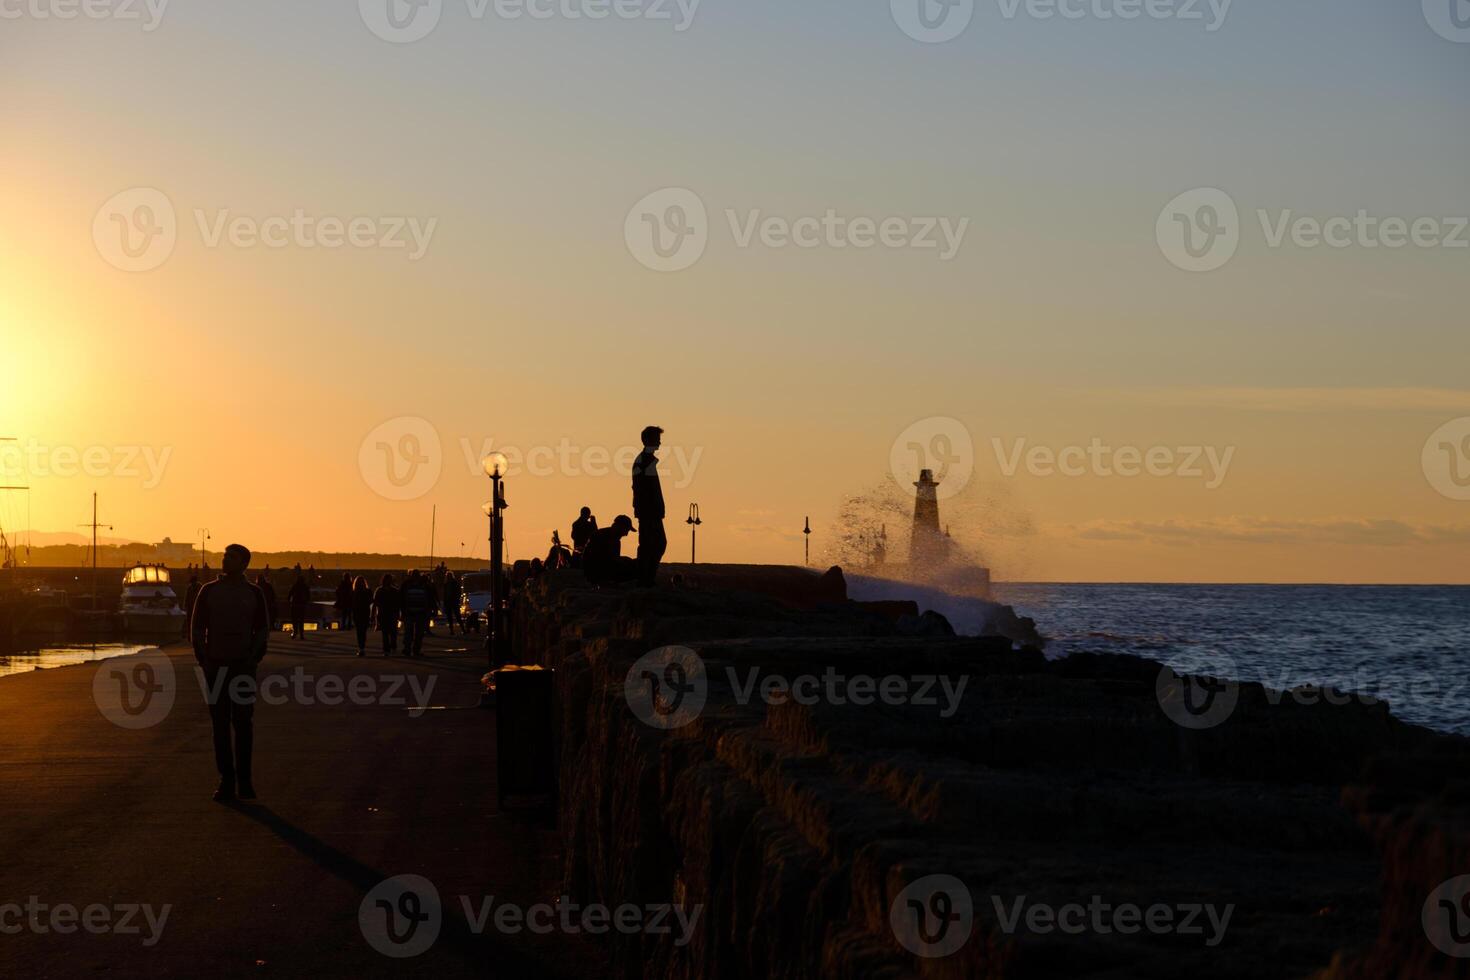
(101,822)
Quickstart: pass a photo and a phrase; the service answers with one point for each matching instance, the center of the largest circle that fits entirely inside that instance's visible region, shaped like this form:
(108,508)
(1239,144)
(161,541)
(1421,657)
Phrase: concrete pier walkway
(93,814)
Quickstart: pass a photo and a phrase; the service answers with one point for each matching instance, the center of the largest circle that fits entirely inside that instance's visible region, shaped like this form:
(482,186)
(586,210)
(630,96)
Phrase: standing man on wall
(648,507)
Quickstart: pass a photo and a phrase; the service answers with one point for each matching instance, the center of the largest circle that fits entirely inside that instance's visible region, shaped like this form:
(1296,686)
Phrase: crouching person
(231,627)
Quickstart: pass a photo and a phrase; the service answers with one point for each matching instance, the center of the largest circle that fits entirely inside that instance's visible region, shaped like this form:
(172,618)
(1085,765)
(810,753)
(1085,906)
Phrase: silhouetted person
(189,599)
(603,561)
(230,634)
(385,612)
(648,507)
(343,603)
(417,603)
(300,598)
(451,602)
(360,601)
(582,529)
(536,568)
(558,556)
(272,605)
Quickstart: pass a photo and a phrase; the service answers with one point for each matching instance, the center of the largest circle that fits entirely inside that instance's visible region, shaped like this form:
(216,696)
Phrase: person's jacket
(583,528)
(648,495)
(300,593)
(362,604)
(385,600)
(231,625)
(417,599)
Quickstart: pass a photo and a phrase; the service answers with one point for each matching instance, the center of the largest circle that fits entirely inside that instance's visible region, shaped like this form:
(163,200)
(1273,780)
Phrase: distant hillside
(123,555)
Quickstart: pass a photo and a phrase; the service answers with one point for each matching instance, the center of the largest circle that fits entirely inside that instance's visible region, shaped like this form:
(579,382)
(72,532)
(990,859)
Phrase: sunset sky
(254,376)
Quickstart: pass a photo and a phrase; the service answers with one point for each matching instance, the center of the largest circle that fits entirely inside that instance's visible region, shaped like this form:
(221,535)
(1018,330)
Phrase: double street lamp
(495,466)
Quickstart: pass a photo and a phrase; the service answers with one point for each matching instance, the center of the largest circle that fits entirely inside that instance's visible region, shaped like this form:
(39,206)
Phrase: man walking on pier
(230,630)
(648,507)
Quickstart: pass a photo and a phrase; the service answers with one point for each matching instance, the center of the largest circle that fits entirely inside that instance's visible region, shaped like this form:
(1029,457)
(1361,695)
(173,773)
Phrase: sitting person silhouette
(603,561)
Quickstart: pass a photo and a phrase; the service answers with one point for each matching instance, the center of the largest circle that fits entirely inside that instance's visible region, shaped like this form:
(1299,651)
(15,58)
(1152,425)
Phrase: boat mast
(94,526)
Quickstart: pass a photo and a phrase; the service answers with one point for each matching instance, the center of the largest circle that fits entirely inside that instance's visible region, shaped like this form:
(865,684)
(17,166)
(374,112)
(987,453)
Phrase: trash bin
(525,733)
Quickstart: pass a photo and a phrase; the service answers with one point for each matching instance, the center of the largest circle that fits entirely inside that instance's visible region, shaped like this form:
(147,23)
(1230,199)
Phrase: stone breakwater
(797,825)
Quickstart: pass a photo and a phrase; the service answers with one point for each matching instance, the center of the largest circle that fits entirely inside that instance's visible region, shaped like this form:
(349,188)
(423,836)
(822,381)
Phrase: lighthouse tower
(928,546)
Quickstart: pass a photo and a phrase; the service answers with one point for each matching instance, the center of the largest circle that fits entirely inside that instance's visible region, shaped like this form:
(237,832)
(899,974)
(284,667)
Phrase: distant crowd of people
(390,608)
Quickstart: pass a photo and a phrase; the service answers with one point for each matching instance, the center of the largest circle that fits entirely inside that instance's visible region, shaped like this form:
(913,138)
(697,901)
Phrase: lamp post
(203,555)
(693,523)
(495,466)
(807,534)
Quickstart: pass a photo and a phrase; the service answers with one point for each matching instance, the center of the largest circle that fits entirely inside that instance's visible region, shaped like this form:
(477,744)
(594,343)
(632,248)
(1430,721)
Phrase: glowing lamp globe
(495,465)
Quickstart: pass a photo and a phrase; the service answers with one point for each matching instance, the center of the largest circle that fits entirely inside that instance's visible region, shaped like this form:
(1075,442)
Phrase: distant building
(169,553)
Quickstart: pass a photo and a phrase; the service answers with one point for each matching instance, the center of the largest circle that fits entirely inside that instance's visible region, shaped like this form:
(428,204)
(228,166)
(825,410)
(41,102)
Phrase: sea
(1407,645)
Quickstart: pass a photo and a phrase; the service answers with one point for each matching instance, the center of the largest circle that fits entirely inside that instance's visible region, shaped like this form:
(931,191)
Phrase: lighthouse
(928,546)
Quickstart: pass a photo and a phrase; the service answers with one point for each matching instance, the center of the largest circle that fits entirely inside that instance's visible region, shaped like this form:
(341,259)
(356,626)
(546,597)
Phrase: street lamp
(495,466)
(693,523)
(203,555)
(807,533)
